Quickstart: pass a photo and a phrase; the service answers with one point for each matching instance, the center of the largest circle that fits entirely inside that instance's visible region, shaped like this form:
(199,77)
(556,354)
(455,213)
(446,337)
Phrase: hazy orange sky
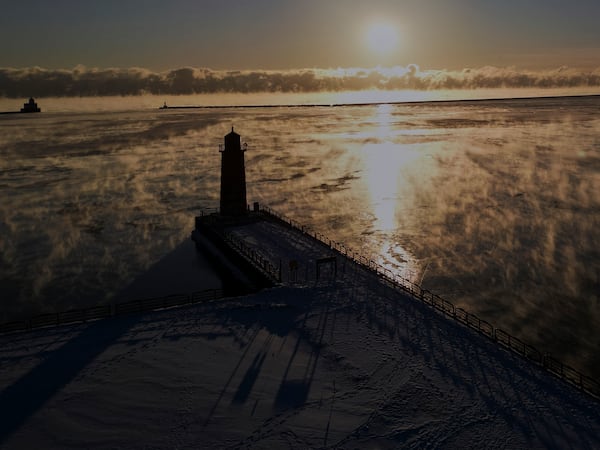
(291,34)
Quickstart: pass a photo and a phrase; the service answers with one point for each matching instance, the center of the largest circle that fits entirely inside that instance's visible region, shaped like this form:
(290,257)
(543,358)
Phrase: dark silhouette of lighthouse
(233,176)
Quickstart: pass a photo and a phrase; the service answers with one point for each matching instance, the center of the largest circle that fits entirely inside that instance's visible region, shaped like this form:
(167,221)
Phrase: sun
(382,38)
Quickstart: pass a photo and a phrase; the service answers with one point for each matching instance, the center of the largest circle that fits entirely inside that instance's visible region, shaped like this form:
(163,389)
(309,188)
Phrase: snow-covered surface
(342,362)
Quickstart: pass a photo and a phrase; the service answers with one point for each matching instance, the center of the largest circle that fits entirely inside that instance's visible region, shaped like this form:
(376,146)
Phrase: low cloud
(83,81)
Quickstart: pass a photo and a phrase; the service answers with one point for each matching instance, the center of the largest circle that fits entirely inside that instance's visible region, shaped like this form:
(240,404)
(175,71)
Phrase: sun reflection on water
(386,165)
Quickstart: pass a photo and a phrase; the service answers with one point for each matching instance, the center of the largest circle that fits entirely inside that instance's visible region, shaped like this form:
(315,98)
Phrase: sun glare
(382,38)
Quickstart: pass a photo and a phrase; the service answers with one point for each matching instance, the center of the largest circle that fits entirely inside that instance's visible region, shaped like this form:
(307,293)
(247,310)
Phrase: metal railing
(109,310)
(448,309)
(256,258)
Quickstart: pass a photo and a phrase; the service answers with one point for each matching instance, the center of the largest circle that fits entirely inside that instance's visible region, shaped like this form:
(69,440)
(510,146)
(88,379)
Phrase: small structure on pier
(233,176)
(30,107)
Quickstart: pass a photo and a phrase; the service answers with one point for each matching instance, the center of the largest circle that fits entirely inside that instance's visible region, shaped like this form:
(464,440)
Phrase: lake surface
(494,205)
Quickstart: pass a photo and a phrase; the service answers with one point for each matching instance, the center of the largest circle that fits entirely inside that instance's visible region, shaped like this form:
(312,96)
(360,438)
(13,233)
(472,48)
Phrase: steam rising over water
(493,205)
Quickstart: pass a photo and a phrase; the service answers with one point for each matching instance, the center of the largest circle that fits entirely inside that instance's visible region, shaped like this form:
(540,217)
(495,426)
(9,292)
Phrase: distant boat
(30,107)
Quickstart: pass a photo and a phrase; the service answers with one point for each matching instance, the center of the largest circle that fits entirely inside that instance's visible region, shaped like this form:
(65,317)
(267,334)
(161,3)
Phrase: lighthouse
(233,176)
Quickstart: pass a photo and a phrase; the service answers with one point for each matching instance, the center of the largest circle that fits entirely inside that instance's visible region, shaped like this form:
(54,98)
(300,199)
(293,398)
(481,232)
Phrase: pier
(282,252)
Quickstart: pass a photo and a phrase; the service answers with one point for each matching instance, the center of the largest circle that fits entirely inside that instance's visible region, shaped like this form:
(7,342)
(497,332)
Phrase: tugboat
(30,107)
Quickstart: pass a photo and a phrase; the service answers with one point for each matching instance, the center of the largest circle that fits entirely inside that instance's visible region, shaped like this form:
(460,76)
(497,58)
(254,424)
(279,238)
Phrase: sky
(130,47)
(291,34)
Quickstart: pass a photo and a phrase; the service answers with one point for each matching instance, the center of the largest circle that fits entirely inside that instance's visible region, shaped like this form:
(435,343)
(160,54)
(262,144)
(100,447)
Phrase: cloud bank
(83,81)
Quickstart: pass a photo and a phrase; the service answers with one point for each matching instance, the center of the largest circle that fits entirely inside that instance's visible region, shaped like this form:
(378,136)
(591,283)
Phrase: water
(493,205)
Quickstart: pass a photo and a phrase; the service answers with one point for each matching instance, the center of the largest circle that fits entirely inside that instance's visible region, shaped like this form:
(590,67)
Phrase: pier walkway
(301,253)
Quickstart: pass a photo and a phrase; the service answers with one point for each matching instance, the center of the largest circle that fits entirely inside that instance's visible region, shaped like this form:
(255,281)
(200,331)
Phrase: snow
(339,362)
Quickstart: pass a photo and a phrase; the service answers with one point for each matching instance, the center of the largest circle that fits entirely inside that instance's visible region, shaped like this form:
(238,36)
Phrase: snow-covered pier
(267,241)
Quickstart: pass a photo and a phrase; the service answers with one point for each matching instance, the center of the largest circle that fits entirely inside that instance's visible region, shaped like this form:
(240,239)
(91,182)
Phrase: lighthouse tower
(233,176)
